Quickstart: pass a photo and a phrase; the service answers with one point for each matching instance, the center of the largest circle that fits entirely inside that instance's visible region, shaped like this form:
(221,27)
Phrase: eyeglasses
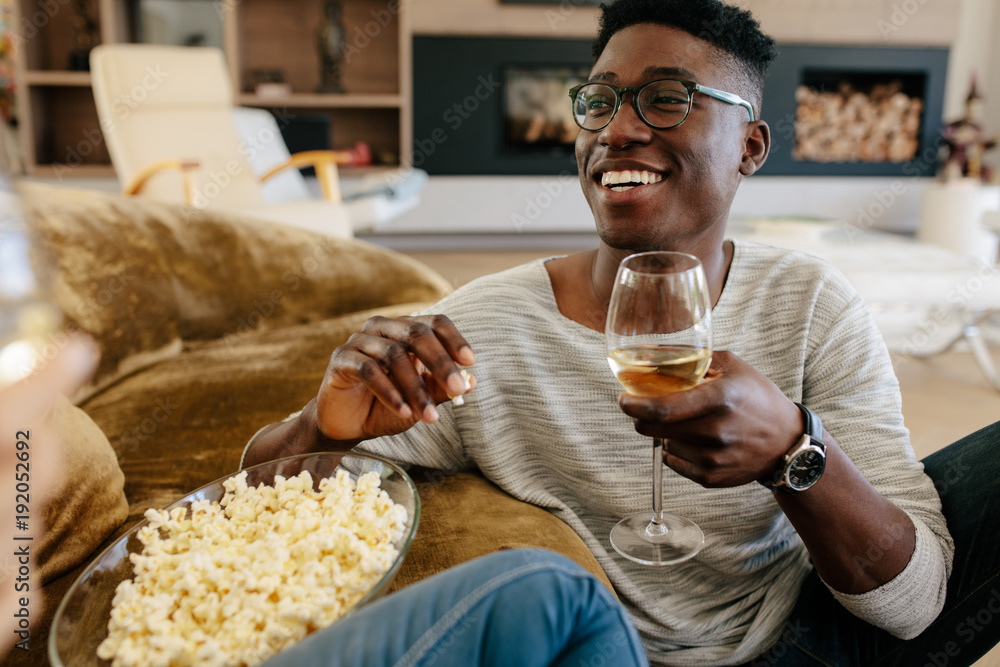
(661,104)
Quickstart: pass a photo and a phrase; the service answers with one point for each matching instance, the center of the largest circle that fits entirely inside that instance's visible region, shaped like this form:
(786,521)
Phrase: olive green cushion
(465,516)
(142,276)
(88,501)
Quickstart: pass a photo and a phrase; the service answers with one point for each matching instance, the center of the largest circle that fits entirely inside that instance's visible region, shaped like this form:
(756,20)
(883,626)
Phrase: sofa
(211,326)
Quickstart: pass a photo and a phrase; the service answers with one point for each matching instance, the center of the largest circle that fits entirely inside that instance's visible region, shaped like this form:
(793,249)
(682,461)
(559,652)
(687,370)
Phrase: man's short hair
(731,29)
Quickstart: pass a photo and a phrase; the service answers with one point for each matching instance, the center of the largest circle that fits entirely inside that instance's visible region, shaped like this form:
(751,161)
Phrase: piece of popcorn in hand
(460,400)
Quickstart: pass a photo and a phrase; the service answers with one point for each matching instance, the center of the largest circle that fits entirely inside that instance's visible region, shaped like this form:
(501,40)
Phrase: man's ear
(756,146)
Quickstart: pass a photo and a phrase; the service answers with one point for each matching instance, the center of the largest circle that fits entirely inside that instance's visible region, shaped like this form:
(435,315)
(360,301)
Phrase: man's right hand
(391,375)
(382,381)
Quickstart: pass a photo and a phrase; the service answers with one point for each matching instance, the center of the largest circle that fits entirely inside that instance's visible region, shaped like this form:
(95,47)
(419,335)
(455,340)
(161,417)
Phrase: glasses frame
(690,86)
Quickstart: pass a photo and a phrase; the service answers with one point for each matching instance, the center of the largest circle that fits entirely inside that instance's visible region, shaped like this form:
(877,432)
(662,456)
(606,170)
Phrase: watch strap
(814,426)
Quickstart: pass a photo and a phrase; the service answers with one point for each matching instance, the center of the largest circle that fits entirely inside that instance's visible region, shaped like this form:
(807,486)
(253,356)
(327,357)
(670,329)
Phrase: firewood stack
(848,125)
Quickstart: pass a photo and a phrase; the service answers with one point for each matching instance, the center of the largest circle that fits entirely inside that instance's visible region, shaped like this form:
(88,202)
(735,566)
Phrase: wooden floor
(944,397)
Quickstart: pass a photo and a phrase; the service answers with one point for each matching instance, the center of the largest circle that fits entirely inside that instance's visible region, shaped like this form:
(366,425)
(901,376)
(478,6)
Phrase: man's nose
(626,127)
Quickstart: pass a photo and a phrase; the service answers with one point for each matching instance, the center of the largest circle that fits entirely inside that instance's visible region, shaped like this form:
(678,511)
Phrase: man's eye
(598,103)
(668,99)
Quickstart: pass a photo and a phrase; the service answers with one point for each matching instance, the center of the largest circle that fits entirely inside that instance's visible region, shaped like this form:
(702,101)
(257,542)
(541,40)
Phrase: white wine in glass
(659,340)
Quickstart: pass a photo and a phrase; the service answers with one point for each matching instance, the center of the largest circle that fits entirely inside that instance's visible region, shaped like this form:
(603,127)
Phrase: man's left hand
(731,429)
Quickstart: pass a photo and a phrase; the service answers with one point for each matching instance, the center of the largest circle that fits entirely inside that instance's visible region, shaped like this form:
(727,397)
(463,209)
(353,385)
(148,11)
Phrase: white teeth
(629,178)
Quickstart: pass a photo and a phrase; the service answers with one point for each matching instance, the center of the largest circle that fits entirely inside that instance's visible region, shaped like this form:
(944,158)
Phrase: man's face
(693,169)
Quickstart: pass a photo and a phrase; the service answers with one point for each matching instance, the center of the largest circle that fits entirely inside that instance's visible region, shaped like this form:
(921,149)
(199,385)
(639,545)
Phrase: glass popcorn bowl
(81,621)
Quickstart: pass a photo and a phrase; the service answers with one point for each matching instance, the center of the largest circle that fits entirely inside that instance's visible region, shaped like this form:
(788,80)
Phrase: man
(541,423)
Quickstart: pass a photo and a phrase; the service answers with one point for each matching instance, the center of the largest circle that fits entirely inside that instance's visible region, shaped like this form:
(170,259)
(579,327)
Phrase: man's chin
(630,243)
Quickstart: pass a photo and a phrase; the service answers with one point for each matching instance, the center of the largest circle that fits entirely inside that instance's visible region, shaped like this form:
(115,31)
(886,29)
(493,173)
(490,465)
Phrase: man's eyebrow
(649,74)
(605,77)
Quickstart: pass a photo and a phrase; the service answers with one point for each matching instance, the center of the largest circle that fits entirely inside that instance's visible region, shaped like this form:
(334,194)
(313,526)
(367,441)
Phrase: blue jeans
(821,632)
(519,607)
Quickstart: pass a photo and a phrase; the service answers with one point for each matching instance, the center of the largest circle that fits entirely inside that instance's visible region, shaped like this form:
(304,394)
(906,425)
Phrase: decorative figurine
(966,141)
(331,42)
(85,26)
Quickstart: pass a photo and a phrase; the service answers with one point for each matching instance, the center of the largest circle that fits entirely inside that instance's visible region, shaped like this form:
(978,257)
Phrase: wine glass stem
(657,484)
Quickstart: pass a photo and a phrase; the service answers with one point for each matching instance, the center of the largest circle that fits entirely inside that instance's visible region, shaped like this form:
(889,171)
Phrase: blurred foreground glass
(28,318)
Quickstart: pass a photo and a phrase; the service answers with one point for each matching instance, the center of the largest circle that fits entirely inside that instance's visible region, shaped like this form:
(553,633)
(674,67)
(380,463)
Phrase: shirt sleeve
(850,383)
(436,445)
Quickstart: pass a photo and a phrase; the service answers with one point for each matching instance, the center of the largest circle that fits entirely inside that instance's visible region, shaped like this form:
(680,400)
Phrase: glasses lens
(664,103)
(593,106)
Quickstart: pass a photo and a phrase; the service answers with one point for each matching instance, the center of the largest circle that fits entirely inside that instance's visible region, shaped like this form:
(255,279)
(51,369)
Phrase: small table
(924,298)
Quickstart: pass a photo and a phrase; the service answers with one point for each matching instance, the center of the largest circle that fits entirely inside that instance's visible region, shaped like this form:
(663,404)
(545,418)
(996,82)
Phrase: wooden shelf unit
(59,130)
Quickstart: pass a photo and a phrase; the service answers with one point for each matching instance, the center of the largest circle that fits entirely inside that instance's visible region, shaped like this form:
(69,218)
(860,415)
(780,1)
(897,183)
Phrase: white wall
(991,89)
(927,22)
(499,212)
(975,51)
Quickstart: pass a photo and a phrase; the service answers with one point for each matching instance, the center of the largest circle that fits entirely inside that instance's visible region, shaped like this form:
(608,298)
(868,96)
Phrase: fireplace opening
(537,115)
(496,105)
(858,116)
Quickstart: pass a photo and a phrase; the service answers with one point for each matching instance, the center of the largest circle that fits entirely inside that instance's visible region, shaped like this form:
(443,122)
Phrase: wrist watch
(804,463)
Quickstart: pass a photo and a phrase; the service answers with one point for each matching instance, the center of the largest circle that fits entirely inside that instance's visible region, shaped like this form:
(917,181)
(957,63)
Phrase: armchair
(166,113)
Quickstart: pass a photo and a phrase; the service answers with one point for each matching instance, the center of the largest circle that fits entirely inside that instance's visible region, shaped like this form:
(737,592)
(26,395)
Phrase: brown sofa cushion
(465,516)
(141,276)
(87,501)
(183,422)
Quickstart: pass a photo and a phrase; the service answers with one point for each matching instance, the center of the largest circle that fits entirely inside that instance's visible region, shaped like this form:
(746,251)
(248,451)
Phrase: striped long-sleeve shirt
(544,425)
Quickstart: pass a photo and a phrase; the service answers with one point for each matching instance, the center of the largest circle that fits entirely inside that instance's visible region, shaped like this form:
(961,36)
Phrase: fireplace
(495,106)
(854,111)
(500,106)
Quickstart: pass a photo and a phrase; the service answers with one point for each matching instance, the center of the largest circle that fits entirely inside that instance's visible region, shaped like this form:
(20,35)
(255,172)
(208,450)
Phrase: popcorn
(460,400)
(234,582)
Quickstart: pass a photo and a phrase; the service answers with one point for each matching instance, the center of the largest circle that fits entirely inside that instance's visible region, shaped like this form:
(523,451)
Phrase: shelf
(60,132)
(56,78)
(61,173)
(323,101)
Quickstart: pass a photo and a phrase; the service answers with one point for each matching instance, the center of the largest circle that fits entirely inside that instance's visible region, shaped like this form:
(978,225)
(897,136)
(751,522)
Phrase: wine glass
(28,318)
(659,338)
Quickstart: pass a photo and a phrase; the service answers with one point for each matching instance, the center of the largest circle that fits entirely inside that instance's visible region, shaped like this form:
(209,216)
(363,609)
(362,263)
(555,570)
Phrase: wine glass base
(633,539)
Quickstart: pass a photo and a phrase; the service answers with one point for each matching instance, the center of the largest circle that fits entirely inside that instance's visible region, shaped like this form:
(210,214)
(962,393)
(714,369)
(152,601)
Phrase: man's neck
(715,260)
(582,283)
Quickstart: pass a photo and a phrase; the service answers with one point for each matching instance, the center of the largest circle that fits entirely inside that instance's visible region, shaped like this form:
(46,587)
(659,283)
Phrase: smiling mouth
(620,181)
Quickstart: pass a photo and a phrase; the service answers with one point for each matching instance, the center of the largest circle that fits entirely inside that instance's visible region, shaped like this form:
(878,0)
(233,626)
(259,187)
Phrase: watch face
(805,469)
